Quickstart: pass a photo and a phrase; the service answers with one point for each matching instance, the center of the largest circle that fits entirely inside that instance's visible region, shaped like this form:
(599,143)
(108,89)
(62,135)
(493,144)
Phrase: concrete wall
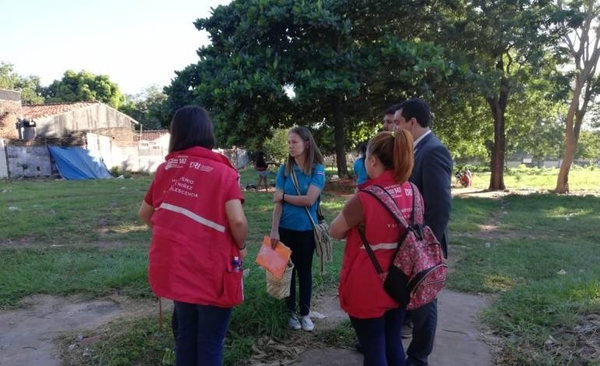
(98,118)
(33,160)
(126,158)
(552,163)
(239,158)
(159,143)
(3,160)
(513,163)
(29,162)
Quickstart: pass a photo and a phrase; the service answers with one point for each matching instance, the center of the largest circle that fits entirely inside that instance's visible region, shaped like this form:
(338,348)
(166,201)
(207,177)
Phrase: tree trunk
(562,182)
(497,177)
(586,61)
(339,135)
(498,107)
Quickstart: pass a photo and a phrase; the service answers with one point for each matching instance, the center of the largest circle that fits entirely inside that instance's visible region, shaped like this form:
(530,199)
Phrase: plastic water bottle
(236,264)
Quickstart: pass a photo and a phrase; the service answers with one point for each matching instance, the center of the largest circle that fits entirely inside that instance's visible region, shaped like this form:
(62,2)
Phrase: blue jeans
(201,334)
(302,244)
(424,321)
(380,338)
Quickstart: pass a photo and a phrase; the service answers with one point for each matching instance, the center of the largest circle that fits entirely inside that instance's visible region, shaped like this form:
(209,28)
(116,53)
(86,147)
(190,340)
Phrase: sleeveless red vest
(361,291)
(190,257)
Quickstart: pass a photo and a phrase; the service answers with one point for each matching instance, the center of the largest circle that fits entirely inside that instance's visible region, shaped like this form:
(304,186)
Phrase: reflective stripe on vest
(193,216)
(380,246)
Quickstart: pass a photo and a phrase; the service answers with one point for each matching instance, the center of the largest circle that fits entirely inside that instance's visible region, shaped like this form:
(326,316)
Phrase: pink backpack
(418,271)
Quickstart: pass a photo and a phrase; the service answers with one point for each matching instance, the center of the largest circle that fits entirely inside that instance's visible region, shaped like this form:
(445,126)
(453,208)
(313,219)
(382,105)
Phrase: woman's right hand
(274,238)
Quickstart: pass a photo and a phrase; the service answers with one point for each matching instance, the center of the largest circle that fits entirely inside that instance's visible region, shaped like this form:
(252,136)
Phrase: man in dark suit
(432,174)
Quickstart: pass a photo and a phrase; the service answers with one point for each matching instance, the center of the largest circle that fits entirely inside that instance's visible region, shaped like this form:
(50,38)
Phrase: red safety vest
(361,289)
(190,257)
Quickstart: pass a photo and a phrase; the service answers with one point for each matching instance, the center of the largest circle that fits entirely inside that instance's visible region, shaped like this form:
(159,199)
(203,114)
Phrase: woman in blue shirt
(359,165)
(291,223)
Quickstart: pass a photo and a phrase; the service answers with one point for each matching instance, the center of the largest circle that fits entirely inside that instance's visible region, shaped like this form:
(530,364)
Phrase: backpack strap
(320,217)
(387,201)
(370,251)
(296,185)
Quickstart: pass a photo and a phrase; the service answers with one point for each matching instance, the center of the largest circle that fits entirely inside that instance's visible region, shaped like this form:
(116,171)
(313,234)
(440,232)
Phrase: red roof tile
(43,110)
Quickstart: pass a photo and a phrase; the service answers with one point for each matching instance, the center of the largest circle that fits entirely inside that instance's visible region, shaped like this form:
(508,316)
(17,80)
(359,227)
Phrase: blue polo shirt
(295,217)
(360,171)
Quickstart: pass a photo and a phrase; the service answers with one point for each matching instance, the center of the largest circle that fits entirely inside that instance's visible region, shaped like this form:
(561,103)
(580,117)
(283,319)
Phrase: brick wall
(10,111)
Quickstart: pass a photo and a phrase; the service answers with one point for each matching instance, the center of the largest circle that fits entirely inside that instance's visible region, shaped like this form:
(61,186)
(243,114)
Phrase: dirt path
(459,339)
(27,334)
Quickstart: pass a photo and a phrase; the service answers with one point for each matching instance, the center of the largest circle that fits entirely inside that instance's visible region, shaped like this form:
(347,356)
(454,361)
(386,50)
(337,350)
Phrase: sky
(137,43)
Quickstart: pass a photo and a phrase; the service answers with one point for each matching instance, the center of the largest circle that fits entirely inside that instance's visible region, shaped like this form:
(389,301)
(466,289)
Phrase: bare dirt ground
(27,334)
(459,339)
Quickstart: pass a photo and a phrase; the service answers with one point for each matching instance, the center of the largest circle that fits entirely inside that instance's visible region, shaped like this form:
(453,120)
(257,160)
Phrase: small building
(26,132)
(61,120)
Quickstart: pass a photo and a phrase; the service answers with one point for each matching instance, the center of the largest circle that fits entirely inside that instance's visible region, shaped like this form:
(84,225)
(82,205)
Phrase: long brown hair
(312,153)
(395,151)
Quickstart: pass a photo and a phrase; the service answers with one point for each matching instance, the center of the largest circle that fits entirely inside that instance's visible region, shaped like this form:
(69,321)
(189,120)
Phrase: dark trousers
(201,334)
(380,338)
(424,321)
(302,244)
(174,324)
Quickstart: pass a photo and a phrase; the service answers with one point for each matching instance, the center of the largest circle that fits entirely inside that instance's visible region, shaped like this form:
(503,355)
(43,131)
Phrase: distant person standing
(194,207)
(262,168)
(389,124)
(359,165)
(432,174)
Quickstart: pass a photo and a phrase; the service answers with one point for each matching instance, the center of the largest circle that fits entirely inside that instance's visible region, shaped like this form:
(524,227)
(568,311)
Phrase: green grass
(537,255)
(72,212)
(540,255)
(85,238)
(543,179)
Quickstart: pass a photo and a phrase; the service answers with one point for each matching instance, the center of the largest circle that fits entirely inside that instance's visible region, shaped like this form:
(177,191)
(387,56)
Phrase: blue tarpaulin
(75,163)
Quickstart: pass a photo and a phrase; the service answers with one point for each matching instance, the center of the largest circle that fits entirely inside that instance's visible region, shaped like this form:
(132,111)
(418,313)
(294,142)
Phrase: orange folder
(274,261)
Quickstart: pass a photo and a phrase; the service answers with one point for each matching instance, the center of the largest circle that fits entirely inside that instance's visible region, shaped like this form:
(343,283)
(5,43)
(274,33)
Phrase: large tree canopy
(84,86)
(503,45)
(491,71)
(327,64)
(147,107)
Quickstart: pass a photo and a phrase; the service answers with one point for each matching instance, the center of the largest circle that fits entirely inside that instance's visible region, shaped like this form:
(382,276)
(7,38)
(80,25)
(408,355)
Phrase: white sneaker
(294,323)
(307,324)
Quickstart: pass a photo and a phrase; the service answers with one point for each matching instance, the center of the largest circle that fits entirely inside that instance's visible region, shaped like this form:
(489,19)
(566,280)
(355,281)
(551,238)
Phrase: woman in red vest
(194,207)
(376,317)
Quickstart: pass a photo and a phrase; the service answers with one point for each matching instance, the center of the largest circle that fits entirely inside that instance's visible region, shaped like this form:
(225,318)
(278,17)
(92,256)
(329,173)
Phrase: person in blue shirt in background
(291,224)
(360,172)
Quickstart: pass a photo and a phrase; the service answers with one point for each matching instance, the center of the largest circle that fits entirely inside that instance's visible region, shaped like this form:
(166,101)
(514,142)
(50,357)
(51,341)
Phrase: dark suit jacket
(432,174)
